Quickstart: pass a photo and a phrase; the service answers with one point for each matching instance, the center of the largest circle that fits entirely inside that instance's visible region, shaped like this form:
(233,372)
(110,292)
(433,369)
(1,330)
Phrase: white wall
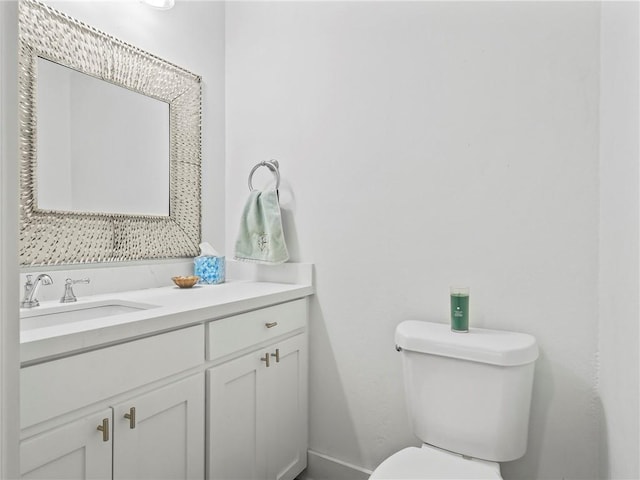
(619,214)
(423,143)
(190,35)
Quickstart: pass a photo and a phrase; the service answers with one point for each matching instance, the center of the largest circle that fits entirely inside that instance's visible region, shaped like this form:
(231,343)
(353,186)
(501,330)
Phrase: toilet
(468,397)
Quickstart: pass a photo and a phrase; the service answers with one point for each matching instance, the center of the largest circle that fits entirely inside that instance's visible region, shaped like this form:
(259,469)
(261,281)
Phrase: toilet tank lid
(482,345)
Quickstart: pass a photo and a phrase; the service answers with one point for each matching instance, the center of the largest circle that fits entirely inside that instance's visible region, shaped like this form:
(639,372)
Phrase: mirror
(71,211)
(99,145)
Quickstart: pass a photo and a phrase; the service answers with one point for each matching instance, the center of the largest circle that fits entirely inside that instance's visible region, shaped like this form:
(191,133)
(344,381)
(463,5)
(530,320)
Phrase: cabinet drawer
(239,332)
(63,385)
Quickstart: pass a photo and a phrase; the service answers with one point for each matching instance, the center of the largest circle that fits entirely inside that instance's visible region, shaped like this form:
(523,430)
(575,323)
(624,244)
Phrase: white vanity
(209,382)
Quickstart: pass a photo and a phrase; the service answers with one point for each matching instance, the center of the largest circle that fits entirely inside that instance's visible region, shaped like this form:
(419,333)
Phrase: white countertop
(176,308)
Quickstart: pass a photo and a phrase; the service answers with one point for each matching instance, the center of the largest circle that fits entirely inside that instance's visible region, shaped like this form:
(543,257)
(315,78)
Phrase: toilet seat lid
(414,463)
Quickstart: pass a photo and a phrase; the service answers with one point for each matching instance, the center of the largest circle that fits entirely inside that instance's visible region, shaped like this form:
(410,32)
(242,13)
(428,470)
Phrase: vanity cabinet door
(258,414)
(288,431)
(160,435)
(237,407)
(76,450)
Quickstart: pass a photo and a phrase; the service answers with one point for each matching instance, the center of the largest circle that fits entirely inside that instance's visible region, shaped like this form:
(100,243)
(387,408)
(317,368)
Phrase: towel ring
(272,165)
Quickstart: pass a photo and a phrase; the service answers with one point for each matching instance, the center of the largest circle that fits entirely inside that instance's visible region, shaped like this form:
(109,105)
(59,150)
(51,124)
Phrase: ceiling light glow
(160,4)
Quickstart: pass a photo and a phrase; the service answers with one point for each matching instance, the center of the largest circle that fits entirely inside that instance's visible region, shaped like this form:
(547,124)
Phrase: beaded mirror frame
(51,237)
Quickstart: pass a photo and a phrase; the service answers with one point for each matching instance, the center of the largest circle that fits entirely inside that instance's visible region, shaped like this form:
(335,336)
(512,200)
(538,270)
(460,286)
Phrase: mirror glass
(101,147)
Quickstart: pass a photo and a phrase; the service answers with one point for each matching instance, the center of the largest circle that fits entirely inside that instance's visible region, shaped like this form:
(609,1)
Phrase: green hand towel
(261,238)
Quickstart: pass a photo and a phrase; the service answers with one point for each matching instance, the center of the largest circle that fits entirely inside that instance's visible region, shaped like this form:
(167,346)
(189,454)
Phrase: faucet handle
(28,285)
(69,296)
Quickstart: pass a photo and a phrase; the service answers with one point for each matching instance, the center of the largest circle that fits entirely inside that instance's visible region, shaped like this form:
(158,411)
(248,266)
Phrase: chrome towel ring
(272,165)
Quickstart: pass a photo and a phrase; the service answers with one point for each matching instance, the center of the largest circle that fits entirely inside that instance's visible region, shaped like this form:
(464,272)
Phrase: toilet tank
(469,393)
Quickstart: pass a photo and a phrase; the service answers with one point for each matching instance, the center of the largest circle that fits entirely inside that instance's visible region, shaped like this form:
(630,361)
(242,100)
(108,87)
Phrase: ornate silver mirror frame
(55,237)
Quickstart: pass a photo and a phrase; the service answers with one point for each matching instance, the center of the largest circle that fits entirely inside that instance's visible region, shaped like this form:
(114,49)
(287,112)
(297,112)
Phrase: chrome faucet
(30,289)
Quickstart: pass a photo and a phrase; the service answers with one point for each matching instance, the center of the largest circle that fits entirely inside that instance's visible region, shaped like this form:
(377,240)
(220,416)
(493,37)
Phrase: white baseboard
(324,467)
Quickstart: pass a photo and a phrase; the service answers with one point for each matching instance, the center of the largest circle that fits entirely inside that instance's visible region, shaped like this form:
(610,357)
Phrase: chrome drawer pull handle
(271,324)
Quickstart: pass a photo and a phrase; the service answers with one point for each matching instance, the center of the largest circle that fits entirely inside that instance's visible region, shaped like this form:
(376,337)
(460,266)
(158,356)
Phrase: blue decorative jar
(209,269)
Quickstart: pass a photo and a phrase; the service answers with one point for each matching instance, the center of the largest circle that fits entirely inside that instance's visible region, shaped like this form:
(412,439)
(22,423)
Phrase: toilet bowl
(468,397)
(413,463)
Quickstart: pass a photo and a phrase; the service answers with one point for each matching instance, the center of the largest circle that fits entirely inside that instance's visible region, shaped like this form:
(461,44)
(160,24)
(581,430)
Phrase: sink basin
(49,316)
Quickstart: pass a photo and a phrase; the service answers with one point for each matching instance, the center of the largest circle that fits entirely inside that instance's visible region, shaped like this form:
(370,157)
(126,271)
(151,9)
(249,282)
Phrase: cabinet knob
(271,324)
(104,428)
(277,355)
(131,416)
(265,359)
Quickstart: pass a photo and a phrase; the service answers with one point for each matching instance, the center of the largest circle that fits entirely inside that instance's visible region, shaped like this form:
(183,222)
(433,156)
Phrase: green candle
(460,309)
